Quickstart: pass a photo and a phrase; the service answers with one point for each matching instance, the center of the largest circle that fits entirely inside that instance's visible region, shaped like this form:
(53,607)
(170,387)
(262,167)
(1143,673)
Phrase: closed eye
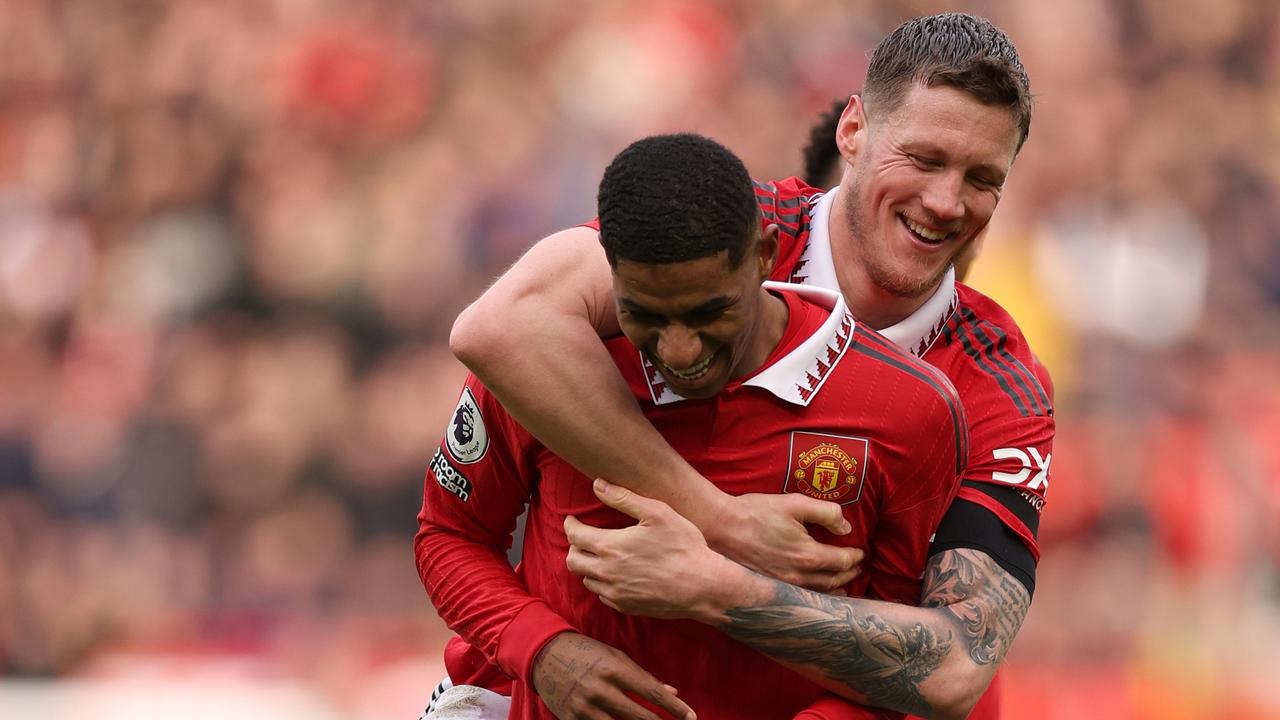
(925,163)
(643,317)
(984,182)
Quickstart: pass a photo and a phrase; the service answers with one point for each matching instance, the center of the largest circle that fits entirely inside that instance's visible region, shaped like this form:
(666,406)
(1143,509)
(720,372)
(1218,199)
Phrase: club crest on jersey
(466,436)
(826,467)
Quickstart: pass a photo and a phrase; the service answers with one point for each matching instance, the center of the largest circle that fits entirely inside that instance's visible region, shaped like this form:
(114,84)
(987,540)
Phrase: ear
(767,251)
(851,130)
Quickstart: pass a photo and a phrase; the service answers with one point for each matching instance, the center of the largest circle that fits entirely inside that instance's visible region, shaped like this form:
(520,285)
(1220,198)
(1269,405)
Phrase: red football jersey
(963,333)
(836,412)
(977,345)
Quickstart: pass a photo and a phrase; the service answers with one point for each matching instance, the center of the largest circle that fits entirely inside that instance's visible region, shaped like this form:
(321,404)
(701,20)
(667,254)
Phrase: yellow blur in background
(234,234)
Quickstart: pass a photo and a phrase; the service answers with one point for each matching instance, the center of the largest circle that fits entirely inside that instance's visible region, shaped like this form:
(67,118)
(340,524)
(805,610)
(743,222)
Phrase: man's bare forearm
(932,661)
(869,657)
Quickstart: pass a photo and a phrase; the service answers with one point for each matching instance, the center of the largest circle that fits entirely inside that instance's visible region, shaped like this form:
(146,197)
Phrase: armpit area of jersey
(969,525)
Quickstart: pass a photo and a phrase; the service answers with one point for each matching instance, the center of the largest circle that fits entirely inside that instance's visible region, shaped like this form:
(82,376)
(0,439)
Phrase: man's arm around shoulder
(534,339)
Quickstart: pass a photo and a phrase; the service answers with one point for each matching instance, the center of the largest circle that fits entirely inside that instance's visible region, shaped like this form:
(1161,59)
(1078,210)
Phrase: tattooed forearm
(883,660)
(885,654)
(989,603)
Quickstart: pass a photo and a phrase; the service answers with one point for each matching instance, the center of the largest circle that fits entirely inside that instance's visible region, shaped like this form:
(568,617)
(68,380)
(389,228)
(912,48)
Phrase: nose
(944,197)
(679,346)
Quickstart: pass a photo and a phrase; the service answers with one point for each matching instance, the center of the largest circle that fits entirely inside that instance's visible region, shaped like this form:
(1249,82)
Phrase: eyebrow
(715,303)
(634,306)
(712,305)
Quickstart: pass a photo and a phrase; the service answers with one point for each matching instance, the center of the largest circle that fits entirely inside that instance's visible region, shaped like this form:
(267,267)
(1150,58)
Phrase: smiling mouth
(924,234)
(694,372)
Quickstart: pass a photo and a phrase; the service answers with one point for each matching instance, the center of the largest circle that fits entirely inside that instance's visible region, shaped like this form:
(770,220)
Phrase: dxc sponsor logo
(1031,460)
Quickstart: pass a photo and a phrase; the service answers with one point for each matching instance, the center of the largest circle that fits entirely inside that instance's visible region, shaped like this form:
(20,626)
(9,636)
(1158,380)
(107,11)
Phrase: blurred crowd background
(234,235)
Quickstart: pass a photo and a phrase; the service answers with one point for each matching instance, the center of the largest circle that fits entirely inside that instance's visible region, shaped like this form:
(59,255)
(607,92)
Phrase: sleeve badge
(466,436)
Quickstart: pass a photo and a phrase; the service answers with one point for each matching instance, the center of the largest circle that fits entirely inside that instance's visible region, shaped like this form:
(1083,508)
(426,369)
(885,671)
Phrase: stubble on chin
(878,267)
(895,281)
(905,285)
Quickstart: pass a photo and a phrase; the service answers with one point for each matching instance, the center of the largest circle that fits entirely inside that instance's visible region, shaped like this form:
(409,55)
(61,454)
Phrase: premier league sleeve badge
(466,436)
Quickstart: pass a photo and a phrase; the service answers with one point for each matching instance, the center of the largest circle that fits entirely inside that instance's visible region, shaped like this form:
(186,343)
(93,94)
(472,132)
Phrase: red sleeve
(468,666)
(1014,453)
(834,707)
(477,485)
(1010,404)
(786,203)
(1042,374)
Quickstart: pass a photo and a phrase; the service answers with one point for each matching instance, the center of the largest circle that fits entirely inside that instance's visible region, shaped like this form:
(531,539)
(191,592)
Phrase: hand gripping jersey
(979,347)
(836,412)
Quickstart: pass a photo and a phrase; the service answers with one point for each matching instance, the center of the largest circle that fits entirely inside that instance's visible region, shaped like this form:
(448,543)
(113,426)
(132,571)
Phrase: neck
(768,333)
(871,304)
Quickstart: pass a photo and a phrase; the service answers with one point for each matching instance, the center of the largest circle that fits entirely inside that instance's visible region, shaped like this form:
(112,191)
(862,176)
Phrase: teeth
(694,372)
(925,232)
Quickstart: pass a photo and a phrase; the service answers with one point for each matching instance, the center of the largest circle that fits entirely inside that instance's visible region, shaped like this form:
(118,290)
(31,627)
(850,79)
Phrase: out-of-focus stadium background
(234,234)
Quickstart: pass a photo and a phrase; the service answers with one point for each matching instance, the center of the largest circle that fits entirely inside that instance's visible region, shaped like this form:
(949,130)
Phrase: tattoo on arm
(884,657)
(883,660)
(989,602)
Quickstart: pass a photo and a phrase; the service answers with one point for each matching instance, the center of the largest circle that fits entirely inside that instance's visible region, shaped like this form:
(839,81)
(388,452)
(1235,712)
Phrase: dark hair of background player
(822,160)
(671,198)
(955,50)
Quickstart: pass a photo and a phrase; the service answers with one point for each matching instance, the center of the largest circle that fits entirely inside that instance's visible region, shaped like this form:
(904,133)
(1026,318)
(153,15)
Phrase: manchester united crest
(827,467)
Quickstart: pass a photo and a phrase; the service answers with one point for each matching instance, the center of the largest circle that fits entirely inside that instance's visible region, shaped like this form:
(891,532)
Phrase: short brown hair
(956,50)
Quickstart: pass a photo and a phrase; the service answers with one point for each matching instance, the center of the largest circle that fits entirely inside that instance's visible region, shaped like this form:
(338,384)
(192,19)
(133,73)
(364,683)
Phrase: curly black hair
(821,155)
(671,198)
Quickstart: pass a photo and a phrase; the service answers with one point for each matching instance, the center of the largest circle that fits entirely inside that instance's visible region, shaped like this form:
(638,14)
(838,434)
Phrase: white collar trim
(815,266)
(797,376)
(915,333)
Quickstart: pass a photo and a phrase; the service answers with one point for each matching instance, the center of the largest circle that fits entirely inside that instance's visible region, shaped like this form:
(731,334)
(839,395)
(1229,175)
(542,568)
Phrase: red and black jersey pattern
(786,203)
(988,345)
(1011,424)
(925,341)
